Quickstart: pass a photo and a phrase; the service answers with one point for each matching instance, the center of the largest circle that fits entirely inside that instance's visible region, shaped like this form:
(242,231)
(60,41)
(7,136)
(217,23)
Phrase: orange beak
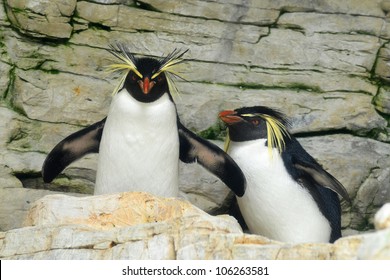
(229,117)
(146,85)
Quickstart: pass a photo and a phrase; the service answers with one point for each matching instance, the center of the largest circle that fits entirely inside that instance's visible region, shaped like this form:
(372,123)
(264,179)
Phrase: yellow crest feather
(227,141)
(276,131)
(168,66)
(168,63)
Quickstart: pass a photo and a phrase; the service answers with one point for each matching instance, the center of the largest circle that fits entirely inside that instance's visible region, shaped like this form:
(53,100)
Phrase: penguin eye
(255,122)
(133,77)
(159,79)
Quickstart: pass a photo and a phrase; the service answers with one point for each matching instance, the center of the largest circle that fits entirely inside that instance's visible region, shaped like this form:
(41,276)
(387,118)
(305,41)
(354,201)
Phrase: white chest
(139,149)
(274,205)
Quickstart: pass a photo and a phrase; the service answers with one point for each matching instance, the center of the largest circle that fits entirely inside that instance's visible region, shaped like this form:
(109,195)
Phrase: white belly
(139,149)
(274,205)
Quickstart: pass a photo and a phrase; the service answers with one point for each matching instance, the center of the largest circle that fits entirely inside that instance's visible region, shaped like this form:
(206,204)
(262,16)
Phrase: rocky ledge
(141,226)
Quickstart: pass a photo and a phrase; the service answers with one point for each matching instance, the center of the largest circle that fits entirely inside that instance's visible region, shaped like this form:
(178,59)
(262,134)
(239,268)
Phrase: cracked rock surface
(114,227)
(326,65)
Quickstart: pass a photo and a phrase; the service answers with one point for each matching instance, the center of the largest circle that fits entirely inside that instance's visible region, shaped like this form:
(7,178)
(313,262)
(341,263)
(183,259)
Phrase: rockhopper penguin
(142,139)
(289,196)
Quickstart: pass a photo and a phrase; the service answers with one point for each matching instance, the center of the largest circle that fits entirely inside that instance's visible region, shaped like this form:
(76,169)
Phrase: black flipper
(323,178)
(196,149)
(73,147)
(307,166)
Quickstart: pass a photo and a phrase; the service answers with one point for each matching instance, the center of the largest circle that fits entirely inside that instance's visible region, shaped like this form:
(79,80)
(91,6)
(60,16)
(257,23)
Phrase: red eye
(133,77)
(255,122)
(159,79)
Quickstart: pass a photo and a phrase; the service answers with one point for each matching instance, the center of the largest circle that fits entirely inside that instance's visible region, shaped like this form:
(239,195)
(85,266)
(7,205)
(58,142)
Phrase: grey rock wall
(324,63)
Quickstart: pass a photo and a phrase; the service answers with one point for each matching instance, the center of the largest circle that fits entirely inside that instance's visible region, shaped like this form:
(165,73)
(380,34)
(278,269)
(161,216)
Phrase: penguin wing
(196,149)
(308,168)
(323,178)
(73,147)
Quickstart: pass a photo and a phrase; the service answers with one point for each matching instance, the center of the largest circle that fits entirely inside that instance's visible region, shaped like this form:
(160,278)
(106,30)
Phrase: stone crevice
(377,57)
(236,18)
(11,75)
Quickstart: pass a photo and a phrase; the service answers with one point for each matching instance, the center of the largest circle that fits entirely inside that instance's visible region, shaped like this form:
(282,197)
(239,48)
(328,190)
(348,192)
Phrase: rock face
(42,19)
(325,64)
(108,211)
(140,226)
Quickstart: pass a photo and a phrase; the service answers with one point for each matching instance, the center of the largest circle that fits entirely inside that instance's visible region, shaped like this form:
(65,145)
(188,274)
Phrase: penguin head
(146,87)
(258,122)
(146,79)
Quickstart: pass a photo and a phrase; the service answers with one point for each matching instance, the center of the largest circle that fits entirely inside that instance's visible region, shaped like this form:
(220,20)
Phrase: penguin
(141,140)
(289,196)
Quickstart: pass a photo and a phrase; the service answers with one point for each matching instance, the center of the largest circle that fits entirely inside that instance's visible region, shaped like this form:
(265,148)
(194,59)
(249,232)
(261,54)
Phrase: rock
(18,201)
(382,68)
(3,16)
(20,166)
(119,209)
(106,15)
(369,8)
(311,23)
(47,19)
(386,31)
(230,12)
(6,117)
(382,217)
(118,17)
(132,219)
(239,76)
(55,98)
(108,211)
(344,52)
(141,226)
(385,5)
(382,100)
(4,79)
(374,246)
(7,181)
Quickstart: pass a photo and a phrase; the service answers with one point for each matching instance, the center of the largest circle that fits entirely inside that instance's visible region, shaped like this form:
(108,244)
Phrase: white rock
(375,246)
(382,217)
(108,211)
(140,226)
